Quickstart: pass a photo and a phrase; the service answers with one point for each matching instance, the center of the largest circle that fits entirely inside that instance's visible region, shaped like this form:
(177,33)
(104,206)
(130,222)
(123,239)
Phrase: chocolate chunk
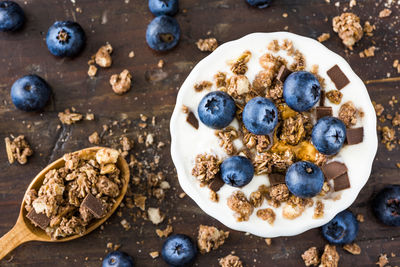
(283,73)
(354,135)
(342,182)
(192,120)
(276,178)
(323,112)
(322,98)
(333,170)
(338,77)
(216,184)
(94,205)
(38,219)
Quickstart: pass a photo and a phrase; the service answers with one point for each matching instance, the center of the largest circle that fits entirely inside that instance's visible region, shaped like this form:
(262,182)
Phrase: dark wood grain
(124,25)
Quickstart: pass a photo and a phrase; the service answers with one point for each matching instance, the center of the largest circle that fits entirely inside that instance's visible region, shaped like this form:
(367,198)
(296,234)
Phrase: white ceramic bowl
(187,142)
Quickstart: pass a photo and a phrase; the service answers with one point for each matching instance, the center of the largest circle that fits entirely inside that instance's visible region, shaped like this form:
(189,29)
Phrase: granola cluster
(210,238)
(18,149)
(60,198)
(348,26)
(206,168)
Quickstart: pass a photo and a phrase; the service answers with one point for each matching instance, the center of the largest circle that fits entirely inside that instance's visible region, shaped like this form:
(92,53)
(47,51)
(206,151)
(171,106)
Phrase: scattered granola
(311,257)
(92,70)
(94,138)
(352,248)
(383,260)
(230,261)
(121,83)
(348,114)
(166,232)
(368,28)
(335,96)
(388,137)
(369,52)
(323,37)
(155,215)
(385,13)
(268,241)
(103,56)
(378,109)
(210,238)
(18,149)
(154,254)
(240,205)
(360,218)
(348,26)
(209,44)
(67,117)
(330,258)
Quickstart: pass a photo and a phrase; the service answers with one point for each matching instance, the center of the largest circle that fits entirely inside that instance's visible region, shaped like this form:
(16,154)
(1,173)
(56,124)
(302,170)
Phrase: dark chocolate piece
(38,219)
(323,112)
(94,205)
(283,73)
(216,184)
(342,182)
(338,77)
(333,170)
(276,178)
(192,120)
(354,135)
(322,98)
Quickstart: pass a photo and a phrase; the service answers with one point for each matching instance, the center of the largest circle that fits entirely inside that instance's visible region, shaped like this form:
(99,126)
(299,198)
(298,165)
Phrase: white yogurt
(188,142)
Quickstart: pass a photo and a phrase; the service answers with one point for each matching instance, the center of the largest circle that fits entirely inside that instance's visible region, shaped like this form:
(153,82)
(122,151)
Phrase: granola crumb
(89,116)
(103,56)
(369,52)
(388,136)
(383,260)
(323,37)
(347,113)
(121,83)
(92,70)
(318,210)
(240,205)
(94,138)
(368,28)
(207,45)
(131,54)
(203,85)
(348,26)
(378,109)
(125,224)
(67,117)
(266,215)
(334,96)
(385,13)
(352,248)
(210,238)
(360,218)
(18,149)
(230,261)
(330,258)
(214,196)
(155,215)
(182,195)
(352,3)
(166,232)
(161,63)
(268,241)
(310,257)
(140,201)
(185,109)
(154,254)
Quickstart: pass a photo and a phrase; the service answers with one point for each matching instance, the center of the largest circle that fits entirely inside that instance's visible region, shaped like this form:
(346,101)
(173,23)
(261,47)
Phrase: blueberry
(260,116)
(328,135)
(117,259)
(304,179)
(386,205)
(163,33)
(178,250)
(342,229)
(65,39)
(237,171)
(12,16)
(30,93)
(259,3)
(217,110)
(164,7)
(301,90)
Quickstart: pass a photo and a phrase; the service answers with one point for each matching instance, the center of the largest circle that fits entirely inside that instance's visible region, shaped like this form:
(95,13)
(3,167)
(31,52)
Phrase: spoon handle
(16,236)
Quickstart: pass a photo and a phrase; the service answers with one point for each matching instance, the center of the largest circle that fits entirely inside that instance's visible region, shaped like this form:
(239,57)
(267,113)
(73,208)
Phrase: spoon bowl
(24,231)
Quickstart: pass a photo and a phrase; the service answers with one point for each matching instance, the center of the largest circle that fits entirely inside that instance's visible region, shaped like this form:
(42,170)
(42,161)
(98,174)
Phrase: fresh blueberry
(301,90)
(217,110)
(328,135)
(259,3)
(65,39)
(342,229)
(237,171)
(260,116)
(304,179)
(164,7)
(12,16)
(386,205)
(178,250)
(163,33)
(30,93)
(118,259)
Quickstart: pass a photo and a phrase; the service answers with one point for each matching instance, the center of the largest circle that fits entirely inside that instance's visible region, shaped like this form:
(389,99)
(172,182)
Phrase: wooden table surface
(123,24)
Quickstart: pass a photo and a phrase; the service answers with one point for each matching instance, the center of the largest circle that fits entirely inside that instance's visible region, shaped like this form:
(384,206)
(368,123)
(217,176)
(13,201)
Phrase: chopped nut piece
(268,241)
(206,168)
(369,52)
(166,232)
(210,238)
(266,215)
(240,205)
(209,44)
(230,261)
(67,117)
(161,63)
(131,54)
(385,13)
(140,201)
(310,257)
(106,156)
(18,149)
(348,114)
(368,28)
(323,37)
(203,85)
(360,218)
(330,258)
(94,138)
(383,260)
(121,83)
(103,56)
(155,215)
(335,96)
(154,254)
(92,71)
(352,248)
(348,26)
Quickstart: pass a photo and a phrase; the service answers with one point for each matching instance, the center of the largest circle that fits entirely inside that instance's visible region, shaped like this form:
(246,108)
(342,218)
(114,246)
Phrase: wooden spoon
(24,231)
